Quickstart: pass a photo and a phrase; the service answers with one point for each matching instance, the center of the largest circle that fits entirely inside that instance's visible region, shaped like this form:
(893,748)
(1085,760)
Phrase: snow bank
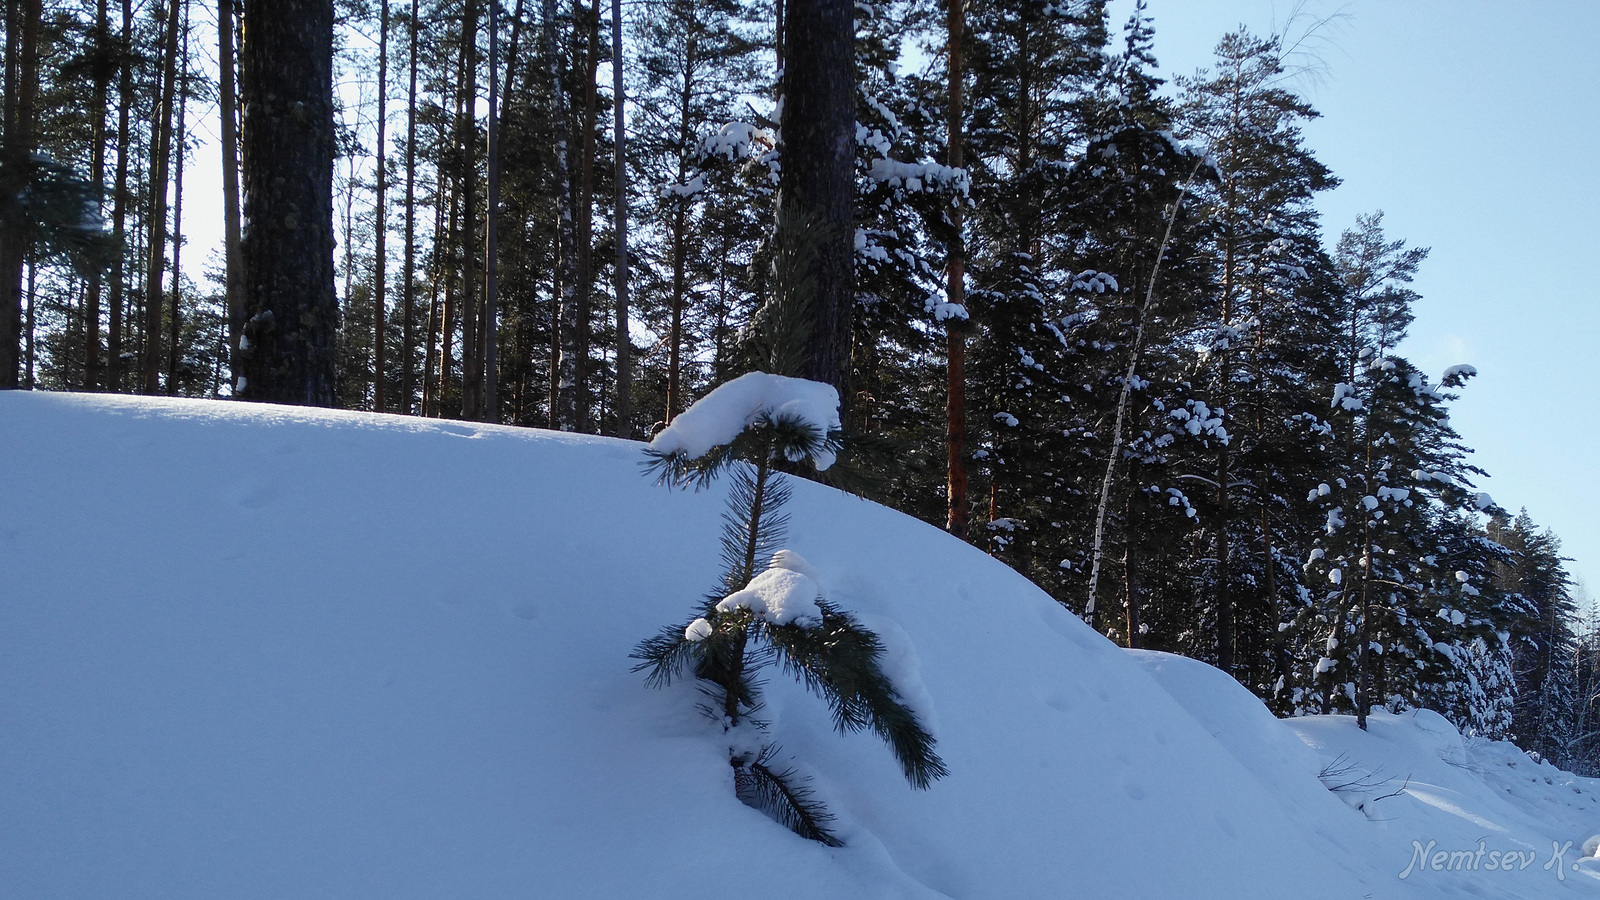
(719,417)
(265,652)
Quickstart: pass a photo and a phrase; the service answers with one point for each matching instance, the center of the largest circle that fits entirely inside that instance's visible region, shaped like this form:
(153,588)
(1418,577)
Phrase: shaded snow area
(259,652)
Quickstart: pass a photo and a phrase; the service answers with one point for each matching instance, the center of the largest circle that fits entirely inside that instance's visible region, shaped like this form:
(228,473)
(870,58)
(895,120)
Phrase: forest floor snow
(266,652)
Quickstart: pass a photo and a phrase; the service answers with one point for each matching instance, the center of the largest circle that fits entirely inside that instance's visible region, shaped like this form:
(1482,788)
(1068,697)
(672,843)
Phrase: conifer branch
(780,796)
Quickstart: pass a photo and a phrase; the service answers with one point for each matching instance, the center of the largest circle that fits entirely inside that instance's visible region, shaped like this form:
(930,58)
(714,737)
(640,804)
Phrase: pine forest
(1080,311)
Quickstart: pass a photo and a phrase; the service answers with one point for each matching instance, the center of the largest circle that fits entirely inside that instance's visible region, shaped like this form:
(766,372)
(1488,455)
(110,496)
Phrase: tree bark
(447,320)
(430,389)
(624,342)
(92,372)
(491,231)
(408,336)
(1130,575)
(563,320)
(287,253)
(175,321)
(956,292)
(156,248)
(585,219)
(119,207)
(466,136)
(22,85)
(816,186)
(380,221)
(680,234)
(228,95)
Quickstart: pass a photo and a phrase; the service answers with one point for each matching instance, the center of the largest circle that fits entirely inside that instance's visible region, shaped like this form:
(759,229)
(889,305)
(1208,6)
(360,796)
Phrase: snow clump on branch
(722,415)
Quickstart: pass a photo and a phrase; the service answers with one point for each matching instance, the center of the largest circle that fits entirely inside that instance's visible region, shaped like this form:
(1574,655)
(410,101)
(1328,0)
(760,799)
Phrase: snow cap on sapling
(803,416)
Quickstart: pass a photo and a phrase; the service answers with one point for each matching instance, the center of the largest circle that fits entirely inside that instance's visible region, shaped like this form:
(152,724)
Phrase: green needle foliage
(836,658)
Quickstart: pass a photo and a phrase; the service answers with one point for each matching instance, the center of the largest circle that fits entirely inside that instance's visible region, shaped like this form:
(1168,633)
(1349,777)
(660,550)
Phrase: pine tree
(1542,641)
(292,313)
(694,59)
(1270,318)
(1034,64)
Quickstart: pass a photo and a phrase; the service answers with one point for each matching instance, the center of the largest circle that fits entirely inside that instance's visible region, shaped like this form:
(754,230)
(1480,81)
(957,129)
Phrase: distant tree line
(1081,318)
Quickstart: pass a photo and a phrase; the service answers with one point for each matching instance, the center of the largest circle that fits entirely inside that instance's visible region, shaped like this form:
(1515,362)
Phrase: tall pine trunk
(22,85)
(447,320)
(92,374)
(380,220)
(624,342)
(293,314)
(228,106)
(491,231)
(430,384)
(956,294)
(680,233)
(408,336)
(156,248)
(175,320)
(563,320)
(583,302)
(816,189)
(466,137)
(119,207)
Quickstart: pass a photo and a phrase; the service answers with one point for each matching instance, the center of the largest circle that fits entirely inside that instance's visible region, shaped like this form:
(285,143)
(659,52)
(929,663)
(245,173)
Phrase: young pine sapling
(770,607)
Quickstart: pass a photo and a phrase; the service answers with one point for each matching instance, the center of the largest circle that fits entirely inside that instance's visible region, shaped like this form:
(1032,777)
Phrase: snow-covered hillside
(261,652)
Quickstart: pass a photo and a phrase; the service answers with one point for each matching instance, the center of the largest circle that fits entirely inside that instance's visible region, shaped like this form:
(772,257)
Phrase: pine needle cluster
(836,658)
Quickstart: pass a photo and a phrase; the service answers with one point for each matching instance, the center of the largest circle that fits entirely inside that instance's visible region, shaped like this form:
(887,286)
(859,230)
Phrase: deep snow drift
(250,651)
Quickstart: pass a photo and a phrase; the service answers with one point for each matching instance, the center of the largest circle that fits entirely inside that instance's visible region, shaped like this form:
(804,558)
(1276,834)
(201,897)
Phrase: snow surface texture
(719,417)
(265,652)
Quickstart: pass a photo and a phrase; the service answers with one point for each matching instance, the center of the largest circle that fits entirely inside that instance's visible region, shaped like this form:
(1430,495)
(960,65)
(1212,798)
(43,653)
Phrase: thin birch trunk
(1122,399)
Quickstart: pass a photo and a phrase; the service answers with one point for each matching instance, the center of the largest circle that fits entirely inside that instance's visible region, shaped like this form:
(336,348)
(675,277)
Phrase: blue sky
(1472,125)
